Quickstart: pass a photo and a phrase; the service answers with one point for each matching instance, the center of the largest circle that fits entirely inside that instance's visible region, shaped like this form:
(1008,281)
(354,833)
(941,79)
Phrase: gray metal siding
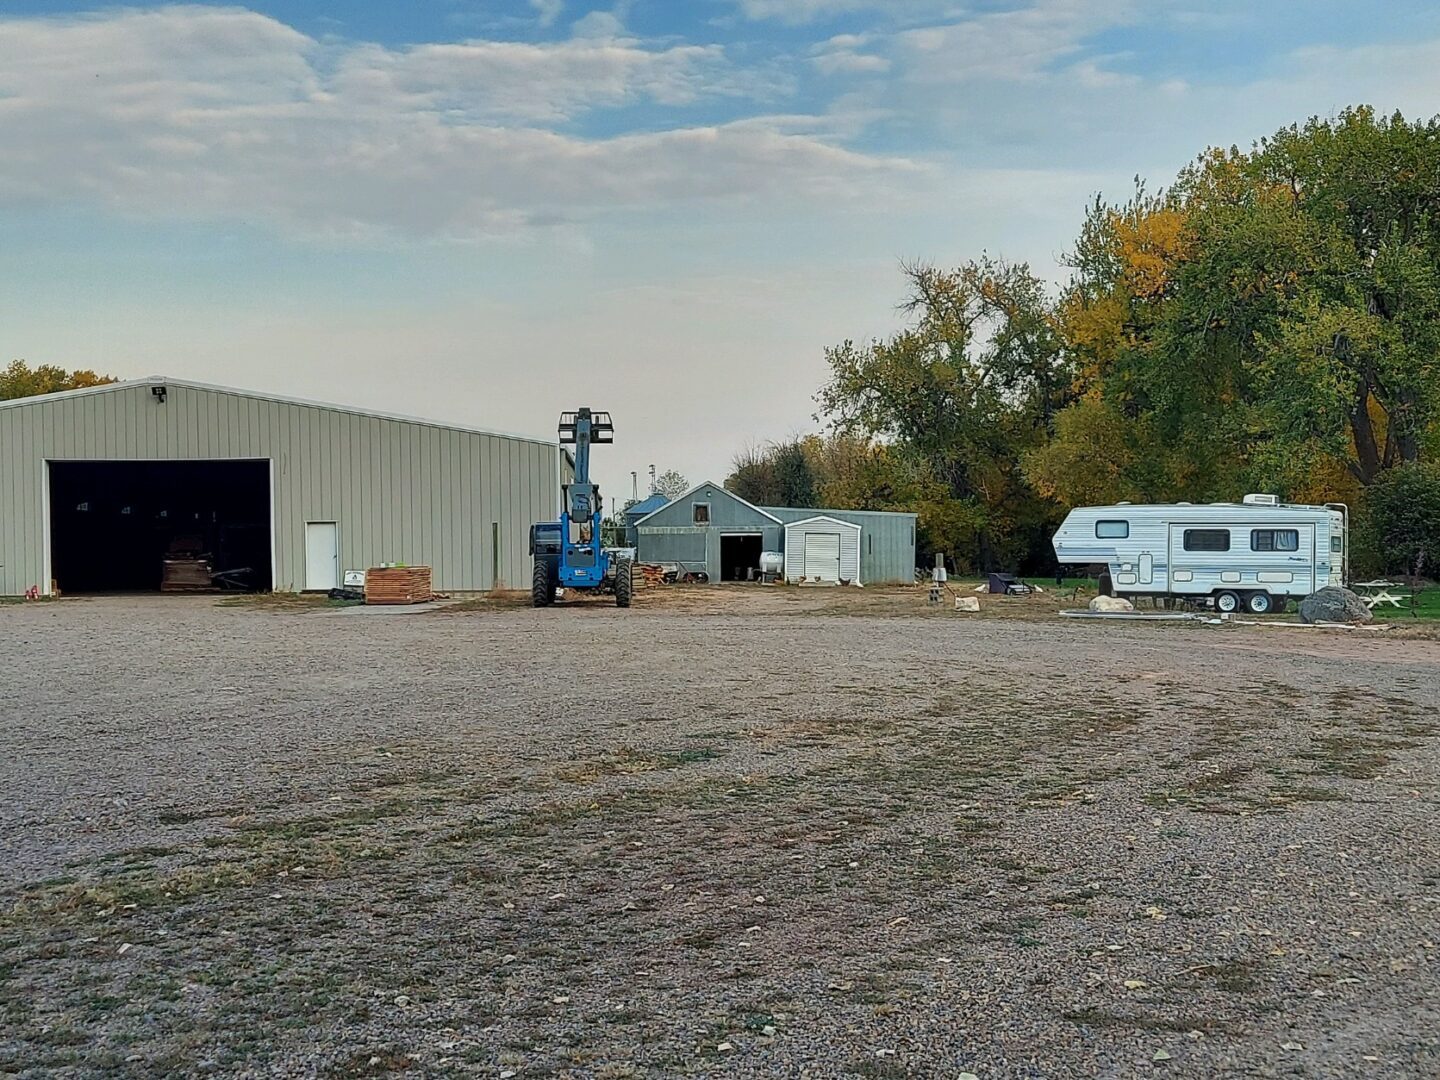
(887,540)
(662,545)
(698,547)
(400,491)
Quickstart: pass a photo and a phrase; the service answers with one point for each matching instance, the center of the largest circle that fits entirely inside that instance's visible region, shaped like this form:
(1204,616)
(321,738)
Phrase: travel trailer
(1253,556)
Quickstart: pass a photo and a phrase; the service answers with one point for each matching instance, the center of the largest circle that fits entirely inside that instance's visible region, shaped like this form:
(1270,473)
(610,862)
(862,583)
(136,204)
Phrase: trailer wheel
(1227,602)
(1259,603)
(624,583)
(542,586)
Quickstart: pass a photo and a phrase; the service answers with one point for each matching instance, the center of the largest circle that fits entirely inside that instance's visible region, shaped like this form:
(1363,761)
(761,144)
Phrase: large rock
(1334,604)
(1111,604)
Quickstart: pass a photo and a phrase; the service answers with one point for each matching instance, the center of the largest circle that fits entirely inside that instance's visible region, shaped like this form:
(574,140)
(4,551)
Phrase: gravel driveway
(730,839)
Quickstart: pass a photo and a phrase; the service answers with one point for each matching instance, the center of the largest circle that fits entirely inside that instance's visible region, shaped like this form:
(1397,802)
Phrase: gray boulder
(1334,604)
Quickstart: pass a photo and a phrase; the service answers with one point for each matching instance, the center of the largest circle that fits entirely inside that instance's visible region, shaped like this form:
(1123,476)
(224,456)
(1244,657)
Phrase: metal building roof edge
(330,406)
(838,510)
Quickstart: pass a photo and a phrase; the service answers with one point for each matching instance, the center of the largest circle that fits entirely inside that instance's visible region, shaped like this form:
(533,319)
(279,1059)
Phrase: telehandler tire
(624,583)
(542,586)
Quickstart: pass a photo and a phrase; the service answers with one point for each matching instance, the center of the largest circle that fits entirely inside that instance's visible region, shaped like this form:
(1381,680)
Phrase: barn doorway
(739,556)
(160,526)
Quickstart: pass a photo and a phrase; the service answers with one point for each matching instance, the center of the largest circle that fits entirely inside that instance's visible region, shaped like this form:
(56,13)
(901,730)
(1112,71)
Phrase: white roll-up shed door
(822,556)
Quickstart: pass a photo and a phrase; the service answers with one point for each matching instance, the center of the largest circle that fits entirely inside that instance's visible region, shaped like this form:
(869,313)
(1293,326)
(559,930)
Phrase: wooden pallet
(398,585)
(185,575)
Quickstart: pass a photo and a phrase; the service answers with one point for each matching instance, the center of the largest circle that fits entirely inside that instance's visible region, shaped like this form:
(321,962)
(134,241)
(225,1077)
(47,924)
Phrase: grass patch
(1350,756)
(1426,605)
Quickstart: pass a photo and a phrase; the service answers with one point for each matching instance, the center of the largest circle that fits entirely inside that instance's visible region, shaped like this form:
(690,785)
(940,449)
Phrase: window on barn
(1274,540)
(700,513)
(1207,539)
(1112,530)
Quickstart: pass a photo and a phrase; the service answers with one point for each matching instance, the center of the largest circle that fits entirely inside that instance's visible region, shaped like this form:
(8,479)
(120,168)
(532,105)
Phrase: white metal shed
(822,548)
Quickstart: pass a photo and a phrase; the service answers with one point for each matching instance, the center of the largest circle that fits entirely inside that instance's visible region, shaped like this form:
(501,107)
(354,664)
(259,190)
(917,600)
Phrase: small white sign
(354,579)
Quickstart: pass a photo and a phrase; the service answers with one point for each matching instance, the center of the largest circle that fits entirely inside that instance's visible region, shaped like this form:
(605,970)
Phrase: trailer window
(1274,540)
(1207,539)
(1112,530)
(700,514)
(1336,543)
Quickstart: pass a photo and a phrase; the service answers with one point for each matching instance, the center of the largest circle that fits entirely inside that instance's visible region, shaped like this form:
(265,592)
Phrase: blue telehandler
(568,553)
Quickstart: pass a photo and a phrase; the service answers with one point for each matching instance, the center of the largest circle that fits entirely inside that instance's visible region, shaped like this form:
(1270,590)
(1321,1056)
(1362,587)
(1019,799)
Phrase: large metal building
(713,530)
(97,485)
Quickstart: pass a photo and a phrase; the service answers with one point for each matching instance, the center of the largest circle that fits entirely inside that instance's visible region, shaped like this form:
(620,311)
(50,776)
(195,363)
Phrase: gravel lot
(744,833)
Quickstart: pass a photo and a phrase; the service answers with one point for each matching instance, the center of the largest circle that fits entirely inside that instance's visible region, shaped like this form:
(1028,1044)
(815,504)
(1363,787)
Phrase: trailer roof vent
(1262,500)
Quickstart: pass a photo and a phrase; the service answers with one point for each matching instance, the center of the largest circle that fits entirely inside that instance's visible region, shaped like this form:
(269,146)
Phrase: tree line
(19,380)
(1268,322)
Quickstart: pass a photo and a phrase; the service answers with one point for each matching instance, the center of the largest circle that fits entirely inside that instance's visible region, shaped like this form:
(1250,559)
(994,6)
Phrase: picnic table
(1375,593)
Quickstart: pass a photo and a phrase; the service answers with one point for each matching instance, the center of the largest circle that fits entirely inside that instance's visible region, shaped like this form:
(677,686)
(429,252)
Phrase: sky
(491,212)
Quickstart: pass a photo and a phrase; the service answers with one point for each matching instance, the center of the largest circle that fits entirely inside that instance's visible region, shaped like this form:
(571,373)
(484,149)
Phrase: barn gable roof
(719,489)
(190,384)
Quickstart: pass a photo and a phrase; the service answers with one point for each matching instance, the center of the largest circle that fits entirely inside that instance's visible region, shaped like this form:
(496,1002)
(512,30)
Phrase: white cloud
(1016,44)
(803,11)
(205,112)
(842,62)
(840,55)
(502,81)
(548,10)
(602,25)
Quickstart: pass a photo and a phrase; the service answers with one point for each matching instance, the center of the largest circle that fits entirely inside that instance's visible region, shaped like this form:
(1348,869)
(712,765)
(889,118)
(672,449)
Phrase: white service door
(322,556)
(822,556)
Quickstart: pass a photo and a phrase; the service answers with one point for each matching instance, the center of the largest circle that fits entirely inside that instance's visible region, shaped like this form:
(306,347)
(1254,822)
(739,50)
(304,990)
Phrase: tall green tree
(957,397)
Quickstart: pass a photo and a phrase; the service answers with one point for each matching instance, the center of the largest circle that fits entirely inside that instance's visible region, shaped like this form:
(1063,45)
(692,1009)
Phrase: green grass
(1427,605)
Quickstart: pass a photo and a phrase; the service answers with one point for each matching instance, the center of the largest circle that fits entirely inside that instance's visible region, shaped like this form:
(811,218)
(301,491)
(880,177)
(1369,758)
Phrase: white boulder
(1111,604)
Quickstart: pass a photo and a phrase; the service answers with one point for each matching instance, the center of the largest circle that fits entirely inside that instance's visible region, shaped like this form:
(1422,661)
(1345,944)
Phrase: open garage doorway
(152,526)
(739,556)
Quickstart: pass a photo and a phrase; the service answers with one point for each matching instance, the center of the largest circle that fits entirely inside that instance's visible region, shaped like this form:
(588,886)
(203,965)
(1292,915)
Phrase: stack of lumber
(398,585)
(185,575)
(649,574)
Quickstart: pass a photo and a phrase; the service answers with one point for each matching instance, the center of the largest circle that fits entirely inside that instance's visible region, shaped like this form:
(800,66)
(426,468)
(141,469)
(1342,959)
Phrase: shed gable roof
(827,519)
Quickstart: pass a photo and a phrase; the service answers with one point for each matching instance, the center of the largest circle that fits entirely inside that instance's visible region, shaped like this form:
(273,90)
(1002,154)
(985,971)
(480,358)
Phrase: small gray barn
(96,485)
(713,530)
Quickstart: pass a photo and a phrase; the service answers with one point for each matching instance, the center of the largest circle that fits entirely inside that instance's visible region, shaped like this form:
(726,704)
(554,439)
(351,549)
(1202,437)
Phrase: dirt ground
(729,832)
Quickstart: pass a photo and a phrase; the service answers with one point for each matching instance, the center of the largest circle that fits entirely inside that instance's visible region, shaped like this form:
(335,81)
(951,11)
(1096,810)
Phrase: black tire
(542,585)
(624,583)
(1228,602)
(1259,603)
